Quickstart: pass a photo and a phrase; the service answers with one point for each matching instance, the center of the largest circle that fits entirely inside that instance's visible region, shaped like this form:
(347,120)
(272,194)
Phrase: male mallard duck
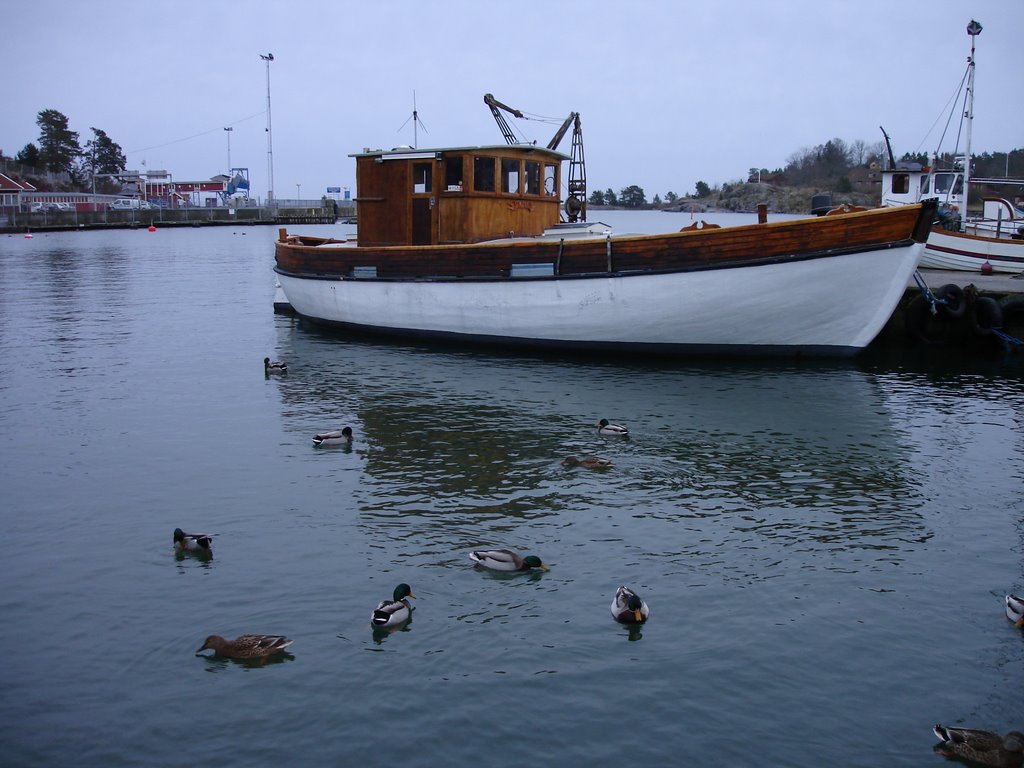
(274,366)
(505,560)
(338,437)
(590,462)
(1015,610)
(628,608)
(982,747)
(245,646)
(604,427)
(391,613)
(192,542)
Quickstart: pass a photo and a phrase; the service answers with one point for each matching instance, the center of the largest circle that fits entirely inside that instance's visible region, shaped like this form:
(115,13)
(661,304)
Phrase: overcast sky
(670,91)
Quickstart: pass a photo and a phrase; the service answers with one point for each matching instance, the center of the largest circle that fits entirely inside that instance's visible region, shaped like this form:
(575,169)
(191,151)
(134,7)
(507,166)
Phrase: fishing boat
(992,242)
(469,244)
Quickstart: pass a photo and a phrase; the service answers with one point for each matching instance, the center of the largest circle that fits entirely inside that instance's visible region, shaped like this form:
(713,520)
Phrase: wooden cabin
(458,195)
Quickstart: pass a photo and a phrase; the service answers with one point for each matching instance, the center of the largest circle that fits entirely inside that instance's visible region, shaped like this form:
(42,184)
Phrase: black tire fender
(953,295)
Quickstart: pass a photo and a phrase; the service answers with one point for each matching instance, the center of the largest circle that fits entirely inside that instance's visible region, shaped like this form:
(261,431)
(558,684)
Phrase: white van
(129,203)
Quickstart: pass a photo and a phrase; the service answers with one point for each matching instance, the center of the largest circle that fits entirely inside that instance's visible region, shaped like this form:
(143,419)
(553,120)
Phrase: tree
(632,197)
(703,190)
(596,197)
(671,197)
(58,144)
(656,200)
(610,198)
(102,155)
(29,155)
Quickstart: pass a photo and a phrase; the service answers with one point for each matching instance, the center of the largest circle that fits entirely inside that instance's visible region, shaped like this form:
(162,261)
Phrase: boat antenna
(973,30)
(888,148)
(415,117)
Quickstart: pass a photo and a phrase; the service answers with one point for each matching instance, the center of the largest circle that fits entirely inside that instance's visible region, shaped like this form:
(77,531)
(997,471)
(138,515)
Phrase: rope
(1005,337)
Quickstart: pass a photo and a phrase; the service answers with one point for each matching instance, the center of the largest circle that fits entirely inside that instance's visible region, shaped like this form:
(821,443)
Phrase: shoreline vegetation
(745,197)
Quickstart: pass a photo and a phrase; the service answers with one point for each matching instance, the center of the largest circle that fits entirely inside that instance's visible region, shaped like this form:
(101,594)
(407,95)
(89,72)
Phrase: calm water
(824,547)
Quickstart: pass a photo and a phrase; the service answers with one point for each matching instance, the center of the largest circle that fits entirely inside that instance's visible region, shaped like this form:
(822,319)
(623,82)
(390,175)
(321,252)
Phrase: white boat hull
(952,250)
(832,305)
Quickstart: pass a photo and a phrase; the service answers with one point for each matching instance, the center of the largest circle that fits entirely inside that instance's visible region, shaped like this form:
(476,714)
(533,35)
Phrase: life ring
(987,315)
(954,304)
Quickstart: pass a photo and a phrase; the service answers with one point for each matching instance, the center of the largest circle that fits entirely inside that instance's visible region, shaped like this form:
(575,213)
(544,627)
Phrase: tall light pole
(269,57)
(298,191)
(229,130)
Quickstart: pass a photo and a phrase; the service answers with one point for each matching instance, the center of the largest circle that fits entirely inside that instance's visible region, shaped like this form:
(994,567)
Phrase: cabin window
(532,177)
(925,184)
(453,174)
(483,174)
(549,179)
(510,176)
(900,183)
(421,178)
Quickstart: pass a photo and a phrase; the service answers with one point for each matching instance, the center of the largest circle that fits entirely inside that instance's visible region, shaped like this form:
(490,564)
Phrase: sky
(670,92)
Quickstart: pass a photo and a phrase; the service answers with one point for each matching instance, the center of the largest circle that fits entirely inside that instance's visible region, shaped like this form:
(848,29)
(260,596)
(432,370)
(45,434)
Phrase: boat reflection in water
(460,449)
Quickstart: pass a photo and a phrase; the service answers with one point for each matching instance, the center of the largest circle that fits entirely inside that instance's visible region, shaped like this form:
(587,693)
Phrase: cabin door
(421,208)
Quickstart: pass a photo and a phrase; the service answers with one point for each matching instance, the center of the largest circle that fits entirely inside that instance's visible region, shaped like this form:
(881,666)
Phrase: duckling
(192,542)
(983,747)
(245,646)
(392,613)
(604,427)
(506,560)
(590,462)
(628,608)
(274,366)
(1015,610)
(338,437)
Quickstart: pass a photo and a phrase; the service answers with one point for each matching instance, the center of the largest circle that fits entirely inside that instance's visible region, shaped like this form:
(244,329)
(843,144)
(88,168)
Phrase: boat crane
(576,202)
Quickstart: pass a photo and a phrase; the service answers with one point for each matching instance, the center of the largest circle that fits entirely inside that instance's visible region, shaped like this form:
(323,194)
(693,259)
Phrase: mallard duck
(392,613)
(192,542)
(628,608)
(245,646)
(590,462)
(604,427)
(505,560)
(982,747)
(273,366)
(338,437)
(1015,610)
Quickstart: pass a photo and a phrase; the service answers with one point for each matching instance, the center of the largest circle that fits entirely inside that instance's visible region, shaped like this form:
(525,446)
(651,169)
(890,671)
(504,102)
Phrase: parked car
(128,204)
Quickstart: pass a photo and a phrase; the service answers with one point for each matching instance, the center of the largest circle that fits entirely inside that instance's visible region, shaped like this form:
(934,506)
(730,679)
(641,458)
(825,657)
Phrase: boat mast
(973,30)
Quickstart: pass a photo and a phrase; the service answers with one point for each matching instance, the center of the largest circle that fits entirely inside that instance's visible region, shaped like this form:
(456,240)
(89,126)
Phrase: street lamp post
(229,130)
(269,57)
(298,191)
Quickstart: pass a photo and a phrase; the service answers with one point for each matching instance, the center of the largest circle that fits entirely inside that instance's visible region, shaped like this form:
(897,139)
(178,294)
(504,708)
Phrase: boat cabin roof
(414,153)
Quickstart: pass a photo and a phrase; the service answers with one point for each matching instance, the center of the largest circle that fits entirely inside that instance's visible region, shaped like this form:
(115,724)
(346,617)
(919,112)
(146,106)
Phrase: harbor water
(824,546)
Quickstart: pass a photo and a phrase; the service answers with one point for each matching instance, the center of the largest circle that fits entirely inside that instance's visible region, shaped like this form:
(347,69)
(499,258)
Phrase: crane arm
(496,107)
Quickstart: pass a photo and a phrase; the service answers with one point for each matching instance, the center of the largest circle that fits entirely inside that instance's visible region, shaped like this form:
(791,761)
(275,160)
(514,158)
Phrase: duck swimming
(338,437)
(590,462)
(505,560)
(628,608)
(392,613)
(982,747)
(274,366)
(604,427)
(192,542)
(245,646)
(1015,610)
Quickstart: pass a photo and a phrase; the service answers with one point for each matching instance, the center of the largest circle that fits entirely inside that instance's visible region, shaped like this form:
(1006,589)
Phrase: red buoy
(986,268)
(151,228)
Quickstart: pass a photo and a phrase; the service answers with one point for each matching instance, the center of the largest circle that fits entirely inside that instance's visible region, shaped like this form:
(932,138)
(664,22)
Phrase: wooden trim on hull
(705,249)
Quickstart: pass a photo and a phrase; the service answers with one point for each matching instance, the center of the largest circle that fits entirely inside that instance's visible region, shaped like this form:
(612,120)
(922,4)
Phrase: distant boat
(960,242)
(465,244)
